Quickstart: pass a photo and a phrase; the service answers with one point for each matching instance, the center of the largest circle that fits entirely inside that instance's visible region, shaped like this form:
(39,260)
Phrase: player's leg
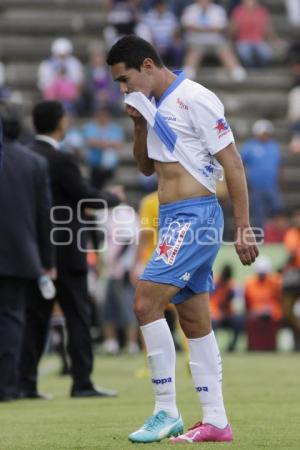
(206,369)
(150,302)
(173,265)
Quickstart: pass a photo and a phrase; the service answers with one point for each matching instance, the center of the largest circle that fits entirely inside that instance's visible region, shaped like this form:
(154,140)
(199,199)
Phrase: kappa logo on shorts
(171,241)
(185,277)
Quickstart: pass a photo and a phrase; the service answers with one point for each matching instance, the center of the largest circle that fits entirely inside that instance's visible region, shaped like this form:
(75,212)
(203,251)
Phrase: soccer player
(190,231)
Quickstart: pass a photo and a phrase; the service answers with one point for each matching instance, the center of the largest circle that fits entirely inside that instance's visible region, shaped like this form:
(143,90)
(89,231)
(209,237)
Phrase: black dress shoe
(35,395)
(93,392)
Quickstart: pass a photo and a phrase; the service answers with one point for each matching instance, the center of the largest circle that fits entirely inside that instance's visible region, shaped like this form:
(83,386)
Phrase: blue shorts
(190,234)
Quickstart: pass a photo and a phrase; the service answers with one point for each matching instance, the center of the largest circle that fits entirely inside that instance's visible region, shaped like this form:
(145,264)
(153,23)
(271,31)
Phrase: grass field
(262,394)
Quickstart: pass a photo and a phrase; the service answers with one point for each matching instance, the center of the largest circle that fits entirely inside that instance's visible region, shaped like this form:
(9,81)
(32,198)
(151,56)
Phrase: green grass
(262,396)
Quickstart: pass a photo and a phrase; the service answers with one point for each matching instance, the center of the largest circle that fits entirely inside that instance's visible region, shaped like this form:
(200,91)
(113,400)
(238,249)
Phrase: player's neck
(164,79)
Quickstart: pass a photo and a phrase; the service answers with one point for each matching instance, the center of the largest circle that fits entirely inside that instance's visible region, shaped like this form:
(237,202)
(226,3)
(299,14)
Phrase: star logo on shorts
(164,248)
(171,241)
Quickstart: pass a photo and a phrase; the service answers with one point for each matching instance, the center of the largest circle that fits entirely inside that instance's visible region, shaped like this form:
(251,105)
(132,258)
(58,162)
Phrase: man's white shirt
(196,116)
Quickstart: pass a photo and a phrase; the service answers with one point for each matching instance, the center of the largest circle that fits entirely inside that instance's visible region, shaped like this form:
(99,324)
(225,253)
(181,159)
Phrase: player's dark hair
(132,51)
(46,116)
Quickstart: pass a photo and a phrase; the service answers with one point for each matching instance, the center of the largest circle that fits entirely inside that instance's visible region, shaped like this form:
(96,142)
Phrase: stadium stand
(27,28)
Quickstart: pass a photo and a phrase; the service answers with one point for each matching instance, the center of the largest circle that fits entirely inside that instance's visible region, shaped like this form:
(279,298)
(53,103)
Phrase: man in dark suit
(68,189)
(25,247)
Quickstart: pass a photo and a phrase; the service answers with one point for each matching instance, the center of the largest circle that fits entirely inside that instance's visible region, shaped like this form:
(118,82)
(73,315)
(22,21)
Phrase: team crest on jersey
(171,241)
(222,127)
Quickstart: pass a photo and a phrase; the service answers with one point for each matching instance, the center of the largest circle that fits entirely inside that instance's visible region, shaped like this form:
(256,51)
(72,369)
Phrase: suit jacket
(25,203)
(68,188)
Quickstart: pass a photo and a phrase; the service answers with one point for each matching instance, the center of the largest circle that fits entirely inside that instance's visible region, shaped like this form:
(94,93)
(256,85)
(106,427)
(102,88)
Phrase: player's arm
(233,167)
(144,163)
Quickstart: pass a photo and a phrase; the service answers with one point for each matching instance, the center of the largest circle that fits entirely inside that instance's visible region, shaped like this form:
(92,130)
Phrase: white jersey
(198,128)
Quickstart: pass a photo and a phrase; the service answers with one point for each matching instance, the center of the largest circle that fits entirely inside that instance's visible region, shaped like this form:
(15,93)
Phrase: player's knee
(146,307)
(142,307)
(139,307)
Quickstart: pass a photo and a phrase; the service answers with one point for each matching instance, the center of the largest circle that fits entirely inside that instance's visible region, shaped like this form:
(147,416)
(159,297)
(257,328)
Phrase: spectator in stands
(275,228)
(292,241)
(104,141)
(252,29)
(222,309)
(26,251)
(4,91)
(99,86)
(205,24)
(60,77)
(164,29)
(122,229)
(291,278)
(263,298)
(124,19)
(293,12)
(261,156)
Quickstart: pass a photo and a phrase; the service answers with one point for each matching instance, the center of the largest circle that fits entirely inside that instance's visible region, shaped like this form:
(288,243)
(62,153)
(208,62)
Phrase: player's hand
(135,115)
(245,245)
(118,190)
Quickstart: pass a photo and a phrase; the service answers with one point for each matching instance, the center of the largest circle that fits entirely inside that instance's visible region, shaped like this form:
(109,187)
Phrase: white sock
(162,358)
(206,368)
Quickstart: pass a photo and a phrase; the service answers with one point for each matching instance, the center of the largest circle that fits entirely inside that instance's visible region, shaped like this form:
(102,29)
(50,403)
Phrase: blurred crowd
(239,33)
(90,131)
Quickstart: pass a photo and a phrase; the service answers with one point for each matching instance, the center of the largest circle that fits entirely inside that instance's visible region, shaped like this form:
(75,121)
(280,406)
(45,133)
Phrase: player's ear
(148,64)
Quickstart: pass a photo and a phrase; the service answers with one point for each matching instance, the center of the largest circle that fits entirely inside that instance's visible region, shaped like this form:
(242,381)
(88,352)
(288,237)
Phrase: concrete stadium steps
(24,49)
(276,6)
(35,23)
(249,105)
(266,79)
(291,179)
(51,4)
(56,17)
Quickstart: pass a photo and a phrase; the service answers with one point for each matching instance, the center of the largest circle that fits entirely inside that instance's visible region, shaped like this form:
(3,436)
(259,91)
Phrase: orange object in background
(263,295)
(220,300)
(292,243)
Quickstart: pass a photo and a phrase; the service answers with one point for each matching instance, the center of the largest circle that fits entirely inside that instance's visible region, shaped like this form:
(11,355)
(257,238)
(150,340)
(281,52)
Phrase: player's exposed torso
(175,183)
(177,107)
